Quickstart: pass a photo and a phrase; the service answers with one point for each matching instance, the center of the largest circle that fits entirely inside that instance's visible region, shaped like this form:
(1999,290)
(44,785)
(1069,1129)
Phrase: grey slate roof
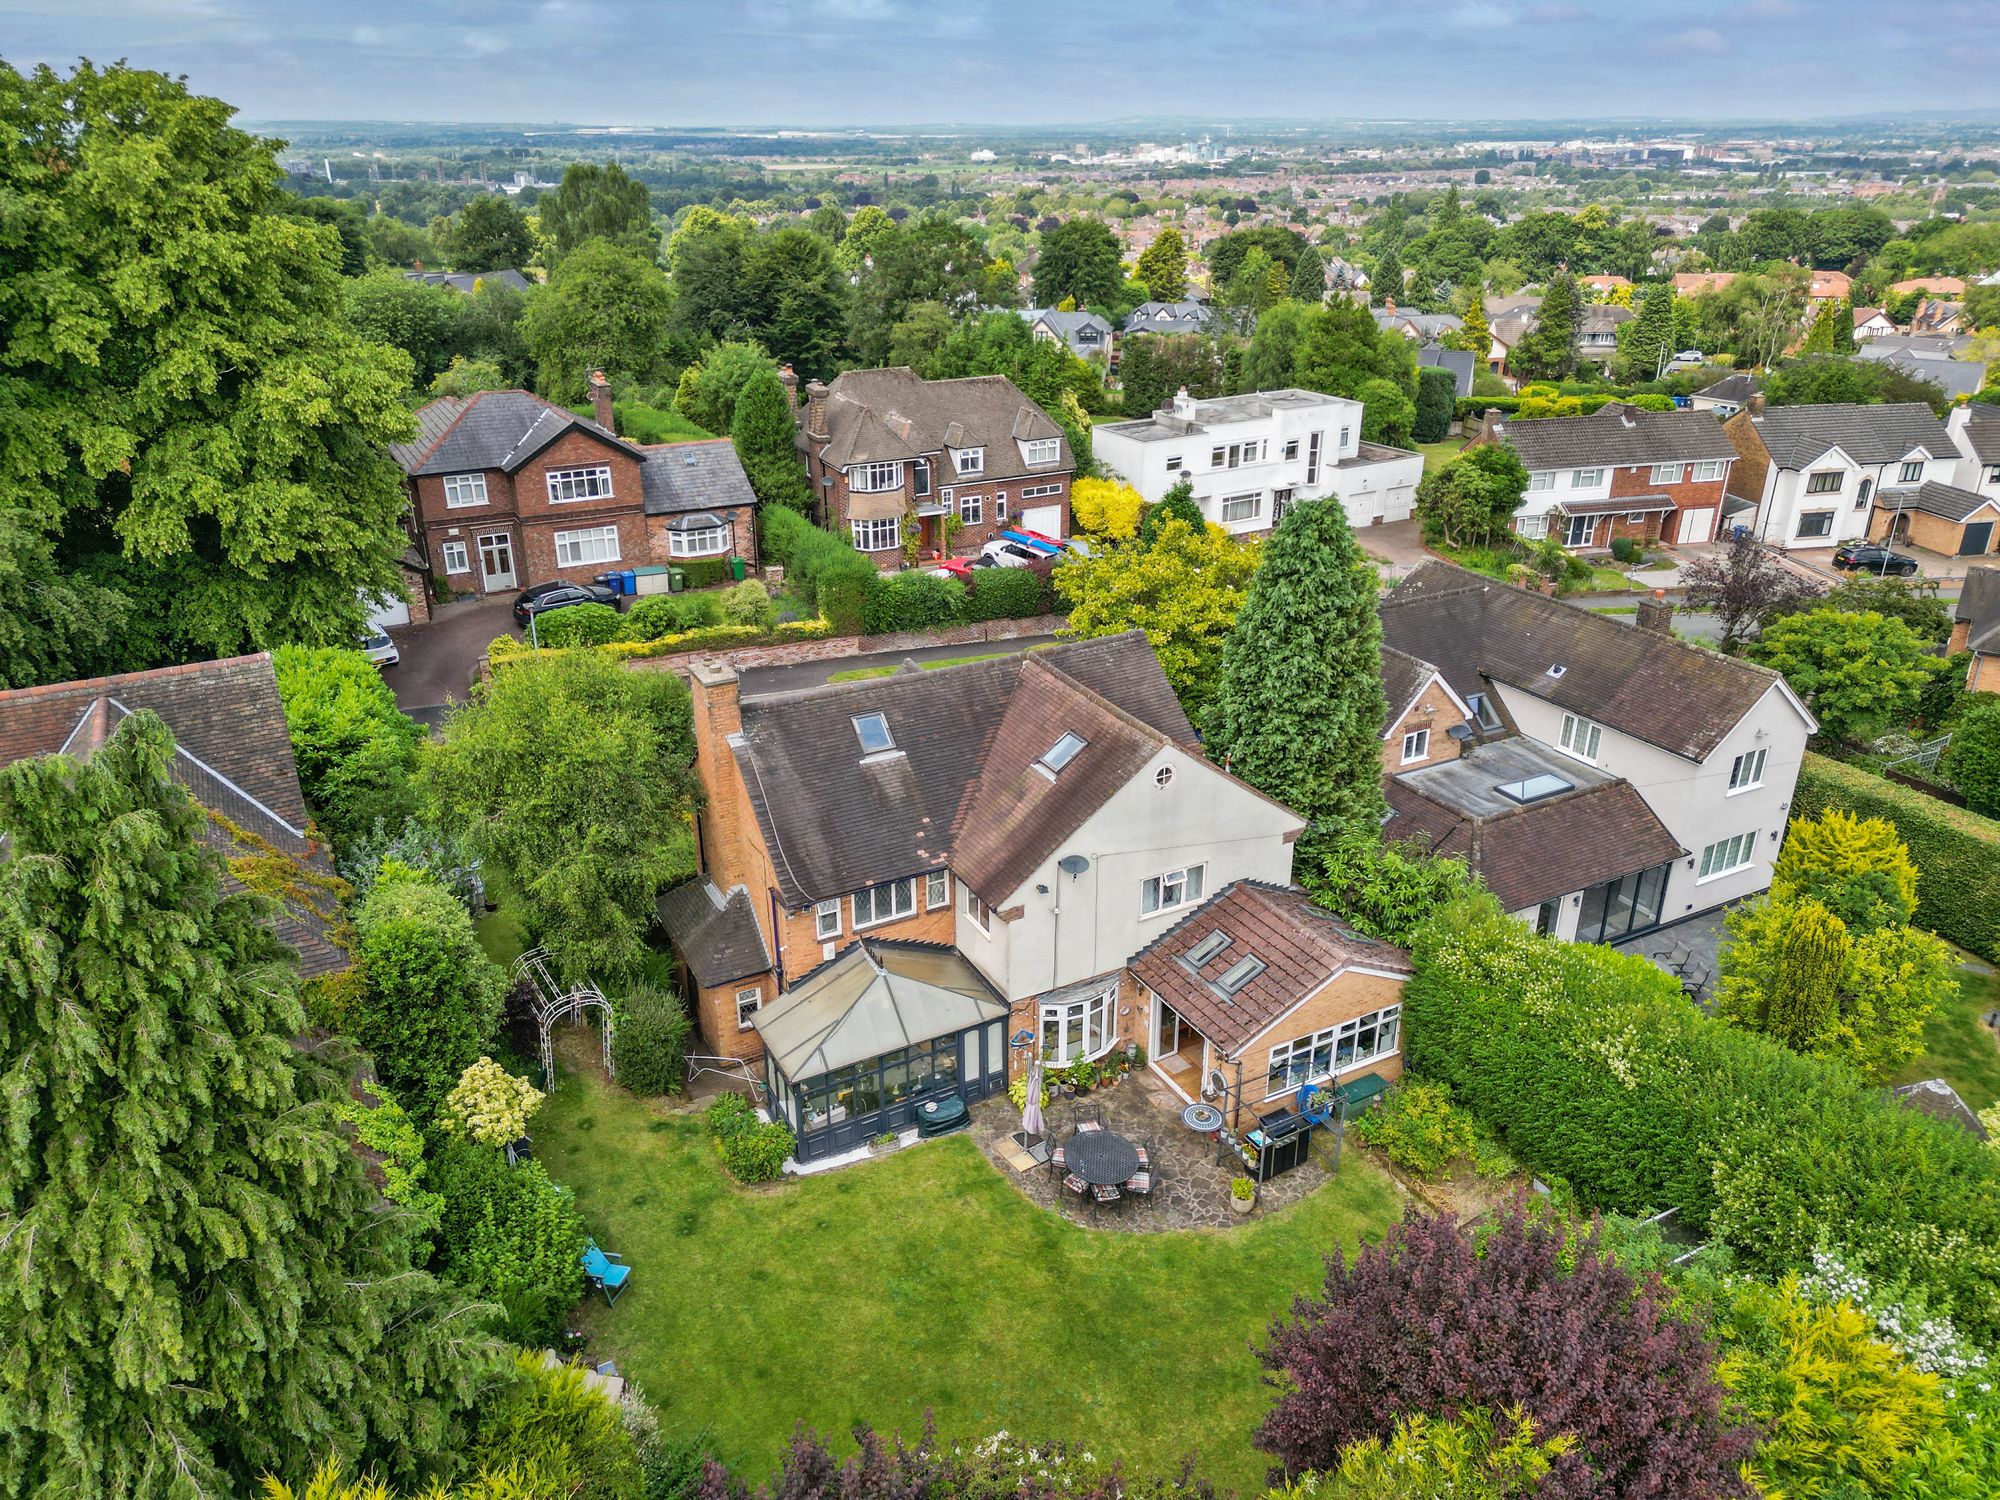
(1946,500)
(1170,317)
(466,281)
(491,430)
(1796,436)
(1978,608)
(883,415)
(1069,326)
(1646,684)
(1403,677)
(1938,1099)
(1617,435)
(836,821)
(716,935)
(1982,431)
(1737,388)
(1956,378)
(1427,325)
(1462,363)
(682,477)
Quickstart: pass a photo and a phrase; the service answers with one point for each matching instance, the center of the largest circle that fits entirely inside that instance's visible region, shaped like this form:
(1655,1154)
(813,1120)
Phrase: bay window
(878,536)
(871,479)
(1078,1028)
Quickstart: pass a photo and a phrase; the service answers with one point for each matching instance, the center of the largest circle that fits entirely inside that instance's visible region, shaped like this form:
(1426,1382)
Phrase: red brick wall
(1686,495)
(742,537)
(834,515)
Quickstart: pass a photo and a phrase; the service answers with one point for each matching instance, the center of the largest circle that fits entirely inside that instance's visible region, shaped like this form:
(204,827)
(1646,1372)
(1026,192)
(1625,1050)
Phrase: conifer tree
(197,1281)
(1843,326)
(1162,266)
(1651,343)
(1309,277)
(1299,710)
(1476,333)
(1387,282)
(766,442)
(1805,981)
(1548,350)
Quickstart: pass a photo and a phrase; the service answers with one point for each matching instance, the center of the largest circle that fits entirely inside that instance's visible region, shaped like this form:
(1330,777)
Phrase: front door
(1580,529)
(496,560)
(1975,539)
(1281,501)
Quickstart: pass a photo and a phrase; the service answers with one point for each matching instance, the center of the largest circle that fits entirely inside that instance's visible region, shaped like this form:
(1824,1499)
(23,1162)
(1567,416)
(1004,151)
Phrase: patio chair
(1145,1150)
(1076,1184)
(1140,1184)
(1056,1164)
(1104,1193)
(1089,1117)
(605,1271)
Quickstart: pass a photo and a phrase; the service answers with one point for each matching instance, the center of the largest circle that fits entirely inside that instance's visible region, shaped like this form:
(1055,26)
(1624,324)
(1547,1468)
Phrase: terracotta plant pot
(1241,1205)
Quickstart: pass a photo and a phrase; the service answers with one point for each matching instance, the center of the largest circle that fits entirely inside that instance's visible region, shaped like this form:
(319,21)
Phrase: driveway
(1929,564)
(1397,546)
(439,658)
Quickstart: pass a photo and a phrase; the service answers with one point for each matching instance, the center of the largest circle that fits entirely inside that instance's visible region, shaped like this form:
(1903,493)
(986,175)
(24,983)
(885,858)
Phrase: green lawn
(499,931)
(1437,455)
(925,1281)
(1958,1048)
(862,674)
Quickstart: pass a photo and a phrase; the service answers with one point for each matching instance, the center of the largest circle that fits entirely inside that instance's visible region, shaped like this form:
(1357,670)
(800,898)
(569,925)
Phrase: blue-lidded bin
(628,583)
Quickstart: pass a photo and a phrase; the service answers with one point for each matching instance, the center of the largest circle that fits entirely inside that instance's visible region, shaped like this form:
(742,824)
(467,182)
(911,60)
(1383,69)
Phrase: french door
(496,560)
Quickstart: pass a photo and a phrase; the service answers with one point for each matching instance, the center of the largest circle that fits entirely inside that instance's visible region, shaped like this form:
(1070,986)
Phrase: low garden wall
(833,648)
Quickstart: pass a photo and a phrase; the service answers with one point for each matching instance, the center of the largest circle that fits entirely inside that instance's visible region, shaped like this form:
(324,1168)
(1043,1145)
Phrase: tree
(931,259)
(1819,337)
(1309,277)
(765,436)
(1473,497)
(1388,891)
(829,223)
(1177,504)
(1742,586)
(1650,344)
(598,202)
(1823,379)
(386,307)
(1547,351)
(490,234)
(1532,1316)
(512,1235)
(1973,760)
(795,300)
(651,1043)
(1341,348)
(1226,253)
(1916,604)
(1387,413)
(488,1105)
(571,774)
(347,220)
(1298,710)
(1152,366)
(1163,266)
(1858,868)
(1105,508)
(355,750)
(1386,284)
(605,308)
(1270,360)
(1183,591)
(430,997)
(186,420)
(705,253)
(1437,401)
(1474,332)
(466,377)
(198,1280)
(1857,672)
(1079,259)
(711,386)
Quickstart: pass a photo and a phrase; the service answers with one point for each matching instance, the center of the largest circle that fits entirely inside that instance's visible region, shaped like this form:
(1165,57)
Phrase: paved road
(758,681)
(439,658)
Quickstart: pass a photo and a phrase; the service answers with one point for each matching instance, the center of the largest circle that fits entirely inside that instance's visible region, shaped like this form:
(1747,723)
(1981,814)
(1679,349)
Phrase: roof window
(1535,789)
(873,732)
(1063,751)
(1239,974)
(1207,948)
(1557,670)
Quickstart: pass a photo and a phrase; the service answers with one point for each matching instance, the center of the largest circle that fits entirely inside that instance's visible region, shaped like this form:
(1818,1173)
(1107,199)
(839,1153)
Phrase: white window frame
(1709,470)
(875,479)
(1667,473)
(1217,456)
(937,890)
(1038,491)
(464,491)
(1570,536)
(1584,479)
(821,911)
(1993,473)
(574,486)
(457,557)
(1038,451)
(1746,772)
(1814,478)
(1534,527)
(1188,881)
(754,998)
(1281,1079)
(1174,465)
(900,894)
(866,534)
(1416,744)
(999,507)
(1249,511)
(710,541)
(1582,738)
(977,912)
(1903,474)
(969,461)
(1826,532)
(574,544)
(1291,449)
(1544,479)
(971,509)
(1096,1019)
(1741,847)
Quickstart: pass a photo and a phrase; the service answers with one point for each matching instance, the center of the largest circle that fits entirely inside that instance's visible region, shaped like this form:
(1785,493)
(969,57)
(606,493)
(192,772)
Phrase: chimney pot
(600,401)
(816,409)
(1755,405)
(788,378)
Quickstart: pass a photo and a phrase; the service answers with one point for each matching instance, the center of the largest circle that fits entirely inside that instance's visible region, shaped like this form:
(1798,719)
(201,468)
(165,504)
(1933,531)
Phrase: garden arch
(554,1005)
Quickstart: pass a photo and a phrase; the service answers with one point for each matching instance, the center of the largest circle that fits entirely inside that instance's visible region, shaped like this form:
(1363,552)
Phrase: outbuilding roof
(716,934)
(1617,435)
(1978,609)
(875,997)
(1944,500)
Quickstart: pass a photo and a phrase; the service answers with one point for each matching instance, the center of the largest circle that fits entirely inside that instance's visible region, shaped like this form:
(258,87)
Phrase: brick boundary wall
(793,653)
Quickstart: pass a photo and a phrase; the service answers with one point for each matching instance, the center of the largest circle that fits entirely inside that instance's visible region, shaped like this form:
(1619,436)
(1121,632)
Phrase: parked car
(544,597)
(1875,557)
(1002,553)
(954,567)
(378,648)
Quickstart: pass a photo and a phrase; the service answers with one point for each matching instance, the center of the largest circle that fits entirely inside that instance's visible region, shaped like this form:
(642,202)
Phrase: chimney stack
(1489,425)
(600,401)
(788,378)
(1389,306)
(1656,614)
(1755,405)
(816,409)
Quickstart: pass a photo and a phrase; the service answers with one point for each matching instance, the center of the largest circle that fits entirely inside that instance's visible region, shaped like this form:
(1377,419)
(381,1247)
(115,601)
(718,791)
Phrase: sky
(1023,62)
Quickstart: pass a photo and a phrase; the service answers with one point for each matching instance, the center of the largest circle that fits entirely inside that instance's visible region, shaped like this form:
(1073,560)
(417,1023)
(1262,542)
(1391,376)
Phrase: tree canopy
(598,201)
(1080,261)
(605,308)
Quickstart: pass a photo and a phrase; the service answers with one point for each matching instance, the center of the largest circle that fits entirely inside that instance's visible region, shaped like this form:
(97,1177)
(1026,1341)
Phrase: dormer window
(1041,451)
(873,732)
(969,461)
(1912,472)
(1062,752)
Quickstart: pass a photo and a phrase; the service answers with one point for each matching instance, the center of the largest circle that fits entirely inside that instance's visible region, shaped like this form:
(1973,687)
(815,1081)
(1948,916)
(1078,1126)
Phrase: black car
(1875,557)
(544,597)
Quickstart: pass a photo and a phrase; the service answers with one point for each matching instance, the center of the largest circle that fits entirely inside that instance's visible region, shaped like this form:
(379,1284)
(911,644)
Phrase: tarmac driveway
(440,658)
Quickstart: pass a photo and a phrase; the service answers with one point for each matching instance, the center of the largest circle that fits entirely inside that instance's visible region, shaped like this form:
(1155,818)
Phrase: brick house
(1975,627)
(885,450)
(508,490)
(915,884)
(1660,477)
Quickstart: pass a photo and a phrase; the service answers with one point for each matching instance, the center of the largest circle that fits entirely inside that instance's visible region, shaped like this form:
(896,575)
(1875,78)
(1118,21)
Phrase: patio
(1191,1187)
(1694,944)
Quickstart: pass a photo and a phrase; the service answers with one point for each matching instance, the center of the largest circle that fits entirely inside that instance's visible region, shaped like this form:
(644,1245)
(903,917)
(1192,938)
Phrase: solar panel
(1536,788)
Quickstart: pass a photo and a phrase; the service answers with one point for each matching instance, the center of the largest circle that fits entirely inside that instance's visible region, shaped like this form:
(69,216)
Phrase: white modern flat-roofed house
(1814,472)
(1251,457)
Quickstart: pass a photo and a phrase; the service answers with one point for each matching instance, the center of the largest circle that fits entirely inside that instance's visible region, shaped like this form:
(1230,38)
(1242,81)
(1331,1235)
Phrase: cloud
(1480,17)
(1703,39)
(369,36)
(1772,10)
(1555,14)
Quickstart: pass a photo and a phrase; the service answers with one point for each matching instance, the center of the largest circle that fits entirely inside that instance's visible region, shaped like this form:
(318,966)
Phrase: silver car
(378,648)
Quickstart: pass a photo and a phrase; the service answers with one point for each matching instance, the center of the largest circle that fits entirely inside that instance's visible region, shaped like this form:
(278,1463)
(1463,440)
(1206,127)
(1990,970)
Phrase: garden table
(1101,1158)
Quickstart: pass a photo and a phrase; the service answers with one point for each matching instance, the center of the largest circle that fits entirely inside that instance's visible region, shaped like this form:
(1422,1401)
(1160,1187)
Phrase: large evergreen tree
(196,1279)
(1651,342)
(1079,260)
(1548,350)
(1299,710)
(766,439)
(1163,266)
(1309,277)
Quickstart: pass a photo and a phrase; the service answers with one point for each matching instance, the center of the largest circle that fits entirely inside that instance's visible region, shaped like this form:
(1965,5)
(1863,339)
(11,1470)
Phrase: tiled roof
(1938,1099)
(1739,388)
(1945,500)
(1302,947)
(1954,378)
(1461,362)
(1797,435)
(467,281)
(717,935)
(233,753)
(1617,435)
(1982,432)
(490,430)
(1169,317)
(1642,682)
(1403,677)
(884,415)
(681,477)
(959,768)
(1978,608)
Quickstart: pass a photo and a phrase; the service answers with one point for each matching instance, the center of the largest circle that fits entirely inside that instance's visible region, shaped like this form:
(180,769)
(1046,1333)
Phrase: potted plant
(1242,1195)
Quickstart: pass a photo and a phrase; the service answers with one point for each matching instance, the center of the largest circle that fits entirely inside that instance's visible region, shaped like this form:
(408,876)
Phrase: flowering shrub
(490,1105)
(1418,1128)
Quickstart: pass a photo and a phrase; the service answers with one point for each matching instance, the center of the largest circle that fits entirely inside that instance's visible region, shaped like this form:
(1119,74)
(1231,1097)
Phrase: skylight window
(873,731)
(1239,974)
(1207,948)
(1534,789)
(1062,752)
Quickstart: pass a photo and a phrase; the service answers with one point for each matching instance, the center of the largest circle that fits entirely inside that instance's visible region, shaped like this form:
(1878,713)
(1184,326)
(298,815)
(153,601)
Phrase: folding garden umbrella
(1031,1105)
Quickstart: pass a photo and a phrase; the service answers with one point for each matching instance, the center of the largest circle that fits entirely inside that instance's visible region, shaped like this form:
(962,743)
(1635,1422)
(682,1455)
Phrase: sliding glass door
(1622,908)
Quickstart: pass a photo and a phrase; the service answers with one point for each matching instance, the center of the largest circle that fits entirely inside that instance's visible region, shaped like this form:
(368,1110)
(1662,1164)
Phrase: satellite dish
(1217,1084)
(1073,865)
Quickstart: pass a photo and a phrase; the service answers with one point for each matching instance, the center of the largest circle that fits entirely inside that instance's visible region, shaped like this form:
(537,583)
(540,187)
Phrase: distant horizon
(1049,64)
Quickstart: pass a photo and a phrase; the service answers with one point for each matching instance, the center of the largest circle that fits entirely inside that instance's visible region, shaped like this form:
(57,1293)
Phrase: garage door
(384,612)
(1047,519)
(1696,525)
(1976,539)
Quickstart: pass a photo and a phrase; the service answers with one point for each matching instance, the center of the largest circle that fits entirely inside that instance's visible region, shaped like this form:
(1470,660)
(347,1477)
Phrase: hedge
(914,600)
(825,570)
(1006,594)
(1593,1067)
(1957,853)
(505,649)
(1471,408)
(1436,394)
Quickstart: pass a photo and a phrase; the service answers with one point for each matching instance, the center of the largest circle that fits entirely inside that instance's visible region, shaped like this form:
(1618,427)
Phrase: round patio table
(1101,1158)
(1202,1117)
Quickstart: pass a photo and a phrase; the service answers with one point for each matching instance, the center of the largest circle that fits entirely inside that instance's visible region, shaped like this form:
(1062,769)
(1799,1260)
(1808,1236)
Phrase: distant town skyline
(807,63)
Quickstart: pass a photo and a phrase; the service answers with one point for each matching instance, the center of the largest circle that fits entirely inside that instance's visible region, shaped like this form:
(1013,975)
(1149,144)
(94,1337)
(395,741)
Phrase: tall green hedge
(1957,853)
(916,600)
(1593,1067)
(1437,392)
(1006,594)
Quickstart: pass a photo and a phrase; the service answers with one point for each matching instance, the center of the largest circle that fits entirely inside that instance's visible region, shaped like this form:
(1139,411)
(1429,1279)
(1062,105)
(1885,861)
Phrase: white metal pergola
(555,1005)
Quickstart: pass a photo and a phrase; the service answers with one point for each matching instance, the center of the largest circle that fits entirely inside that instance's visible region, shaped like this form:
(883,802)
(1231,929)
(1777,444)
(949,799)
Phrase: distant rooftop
(1218,411)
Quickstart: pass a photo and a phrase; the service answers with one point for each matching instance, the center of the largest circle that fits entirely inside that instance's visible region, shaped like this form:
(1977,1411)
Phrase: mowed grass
(863,674)
(925,1282)
(1957,1045)
(1437,455)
